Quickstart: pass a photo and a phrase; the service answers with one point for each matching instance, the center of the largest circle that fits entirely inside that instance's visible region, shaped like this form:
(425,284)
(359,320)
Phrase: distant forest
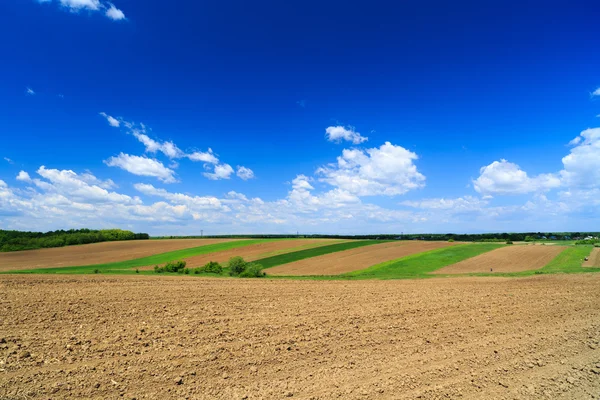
(16,240)
(482,237)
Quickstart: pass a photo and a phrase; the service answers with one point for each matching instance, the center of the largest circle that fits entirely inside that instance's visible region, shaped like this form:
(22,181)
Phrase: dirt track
(593,259)
(95,253)
(256,251)
(184,337)
(506,259)
(355,259)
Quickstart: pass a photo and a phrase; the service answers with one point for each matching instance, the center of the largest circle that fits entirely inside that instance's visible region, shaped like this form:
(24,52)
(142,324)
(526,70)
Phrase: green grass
(325,242)
(128,267)
(286,258)
(420,265)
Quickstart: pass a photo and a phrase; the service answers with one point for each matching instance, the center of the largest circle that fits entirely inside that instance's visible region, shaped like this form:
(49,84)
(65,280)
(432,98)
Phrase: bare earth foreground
(109,337)
(96,253)
(593,259)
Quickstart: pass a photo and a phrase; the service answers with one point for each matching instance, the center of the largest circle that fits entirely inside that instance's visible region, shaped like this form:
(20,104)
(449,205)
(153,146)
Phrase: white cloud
(236,196)
(152,146)
(111,120)
(388,170)
(193,202)
(23,176)
(8,160)
(207,157)
(596,92)
(77,5)
(466,203)
(581,168)
(221,171)
(142,166)
(245,173)
(339,133)
(29,91)
(79,187)
(114,13)
(503,177)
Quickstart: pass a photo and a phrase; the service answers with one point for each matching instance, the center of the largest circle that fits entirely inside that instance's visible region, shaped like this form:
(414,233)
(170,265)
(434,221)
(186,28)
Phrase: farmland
(354,319)
(90,336)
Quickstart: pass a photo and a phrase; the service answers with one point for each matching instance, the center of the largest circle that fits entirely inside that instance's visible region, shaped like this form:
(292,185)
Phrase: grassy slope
(303,247)
(421,264)
(126,266)
(286,258)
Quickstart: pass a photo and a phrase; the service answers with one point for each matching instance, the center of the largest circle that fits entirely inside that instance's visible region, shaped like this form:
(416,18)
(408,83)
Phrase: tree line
(474,237)
(17,240)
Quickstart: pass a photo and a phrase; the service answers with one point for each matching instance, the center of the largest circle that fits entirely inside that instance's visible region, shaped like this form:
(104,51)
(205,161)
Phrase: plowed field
(513,258)
(96,253)
(593,259)
(256,251)
(355,259)
(111,337)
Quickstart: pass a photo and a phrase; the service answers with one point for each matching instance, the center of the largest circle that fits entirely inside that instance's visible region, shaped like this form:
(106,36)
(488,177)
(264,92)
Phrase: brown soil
(95,253)
(593,259)
(110,337)
(355,259)
(257,251)
(506,259)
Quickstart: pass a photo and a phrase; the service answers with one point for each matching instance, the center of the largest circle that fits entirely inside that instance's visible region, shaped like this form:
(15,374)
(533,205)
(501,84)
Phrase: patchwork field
(506,259)
(168,337)
(261,250)
(355,259)
(593,259)
(96,253)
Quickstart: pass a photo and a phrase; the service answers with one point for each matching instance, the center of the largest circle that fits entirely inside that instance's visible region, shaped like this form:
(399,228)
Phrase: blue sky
(330,117)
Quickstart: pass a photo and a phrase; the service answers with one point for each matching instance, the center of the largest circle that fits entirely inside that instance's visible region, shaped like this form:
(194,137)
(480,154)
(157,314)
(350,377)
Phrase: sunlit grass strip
(421,264)
(127,266)
(281,259)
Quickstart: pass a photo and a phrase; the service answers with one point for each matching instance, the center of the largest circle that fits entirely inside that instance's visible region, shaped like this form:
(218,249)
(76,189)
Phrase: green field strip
(286,258)
(327,242)
(126,266)
(420,265)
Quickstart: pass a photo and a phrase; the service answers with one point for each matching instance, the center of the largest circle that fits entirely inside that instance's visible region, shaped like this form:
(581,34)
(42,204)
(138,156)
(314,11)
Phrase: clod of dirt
(179,381)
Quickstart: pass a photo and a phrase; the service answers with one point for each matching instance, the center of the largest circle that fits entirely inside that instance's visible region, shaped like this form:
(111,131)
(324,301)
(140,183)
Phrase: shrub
(211,267)
(158,269)
(175,266)
(252,270)
(137,271)
(451,240)
(186,271)
(96,271)
(509,242)
(237,265)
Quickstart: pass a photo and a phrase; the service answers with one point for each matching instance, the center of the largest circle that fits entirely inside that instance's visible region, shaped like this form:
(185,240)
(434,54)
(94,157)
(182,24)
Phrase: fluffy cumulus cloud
(221,171)
(503,177)
(75,6)
(244,173)
(23,176)
(581,167)
(215,169)
(339,133)
(596,92)
(114,13)
(388,170)
(142,166)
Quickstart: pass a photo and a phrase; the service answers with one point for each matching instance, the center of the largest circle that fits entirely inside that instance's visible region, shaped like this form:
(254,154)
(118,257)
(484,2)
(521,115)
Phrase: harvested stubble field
(506,259)
(96,253)
(355,259)
(260,250)
(102,337)
(593,259)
